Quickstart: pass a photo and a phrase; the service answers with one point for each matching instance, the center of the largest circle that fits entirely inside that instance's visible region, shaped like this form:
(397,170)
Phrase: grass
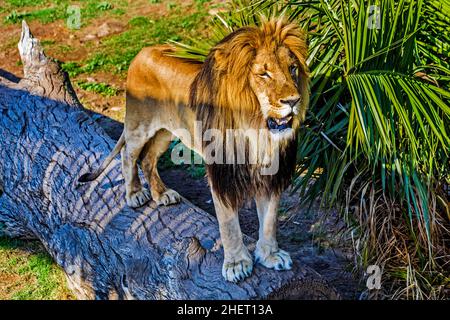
(50,11)
(43,15)
(27,272)
(24,3)
(116,52)
(98,87)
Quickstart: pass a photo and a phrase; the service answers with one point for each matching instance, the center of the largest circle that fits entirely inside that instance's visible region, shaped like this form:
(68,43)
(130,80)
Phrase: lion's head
(256,77)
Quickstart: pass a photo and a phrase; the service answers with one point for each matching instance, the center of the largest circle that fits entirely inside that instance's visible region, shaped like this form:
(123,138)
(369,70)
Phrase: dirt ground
(313,236)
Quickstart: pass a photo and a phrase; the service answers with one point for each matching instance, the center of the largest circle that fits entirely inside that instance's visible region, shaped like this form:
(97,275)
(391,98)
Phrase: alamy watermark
(374,277)
(374,17)
(73,17)
(260,147)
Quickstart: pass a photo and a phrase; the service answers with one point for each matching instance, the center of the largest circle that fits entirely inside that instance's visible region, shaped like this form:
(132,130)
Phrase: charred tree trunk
(107,249)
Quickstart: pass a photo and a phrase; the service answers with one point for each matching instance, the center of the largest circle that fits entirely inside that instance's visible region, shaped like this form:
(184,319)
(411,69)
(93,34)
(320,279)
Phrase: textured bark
(107,249)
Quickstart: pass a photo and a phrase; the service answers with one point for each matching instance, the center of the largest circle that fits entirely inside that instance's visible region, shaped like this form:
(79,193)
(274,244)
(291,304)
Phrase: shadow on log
(108,250)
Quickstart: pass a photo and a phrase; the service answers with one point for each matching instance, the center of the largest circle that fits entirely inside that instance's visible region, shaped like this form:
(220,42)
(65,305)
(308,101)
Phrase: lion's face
(274,80)
(256,77)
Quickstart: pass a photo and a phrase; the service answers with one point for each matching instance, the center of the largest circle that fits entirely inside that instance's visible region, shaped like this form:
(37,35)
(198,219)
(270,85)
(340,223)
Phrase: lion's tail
(87,177)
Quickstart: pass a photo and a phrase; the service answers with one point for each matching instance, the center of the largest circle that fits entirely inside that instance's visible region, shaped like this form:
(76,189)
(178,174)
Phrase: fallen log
(108,250)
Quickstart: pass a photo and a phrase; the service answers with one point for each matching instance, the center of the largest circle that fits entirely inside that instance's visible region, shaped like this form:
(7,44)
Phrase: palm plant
(376,141)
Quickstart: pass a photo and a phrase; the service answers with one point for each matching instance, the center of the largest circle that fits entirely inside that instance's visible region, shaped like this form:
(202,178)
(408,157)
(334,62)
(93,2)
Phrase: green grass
(118,50)
(27,272)
(97,62)
(72,68)
(104,5)
(49,11)
(43,15)
(25,3)
(104,89)
(196,171)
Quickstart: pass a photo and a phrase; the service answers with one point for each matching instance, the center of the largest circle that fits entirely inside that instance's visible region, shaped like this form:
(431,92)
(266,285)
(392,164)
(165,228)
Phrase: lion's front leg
(267,252)
(238,263)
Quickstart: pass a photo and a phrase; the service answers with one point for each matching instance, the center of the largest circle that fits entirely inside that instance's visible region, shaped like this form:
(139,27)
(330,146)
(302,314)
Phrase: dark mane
(222,99)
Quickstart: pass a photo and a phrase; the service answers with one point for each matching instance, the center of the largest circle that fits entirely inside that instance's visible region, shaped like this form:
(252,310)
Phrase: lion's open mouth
(279,124)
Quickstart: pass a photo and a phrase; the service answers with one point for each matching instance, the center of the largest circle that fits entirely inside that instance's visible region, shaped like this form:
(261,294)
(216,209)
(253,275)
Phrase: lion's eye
(264,75)
(294,72)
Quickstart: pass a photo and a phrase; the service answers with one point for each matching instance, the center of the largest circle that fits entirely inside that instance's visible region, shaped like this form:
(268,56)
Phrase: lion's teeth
(283,120)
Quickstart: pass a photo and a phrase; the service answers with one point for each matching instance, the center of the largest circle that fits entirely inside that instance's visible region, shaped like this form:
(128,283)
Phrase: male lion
(255,78)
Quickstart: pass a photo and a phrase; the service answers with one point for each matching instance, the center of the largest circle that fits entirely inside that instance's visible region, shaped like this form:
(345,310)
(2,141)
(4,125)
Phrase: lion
(255,78)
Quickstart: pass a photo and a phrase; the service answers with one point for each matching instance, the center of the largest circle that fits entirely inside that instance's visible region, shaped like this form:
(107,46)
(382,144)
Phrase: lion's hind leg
(136,195)
(154,148)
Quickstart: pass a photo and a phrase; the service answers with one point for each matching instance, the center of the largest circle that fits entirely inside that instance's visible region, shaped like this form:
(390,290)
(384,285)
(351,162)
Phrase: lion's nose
(292,102)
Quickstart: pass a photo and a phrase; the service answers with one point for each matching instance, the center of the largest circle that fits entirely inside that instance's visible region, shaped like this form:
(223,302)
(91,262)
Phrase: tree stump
(108,250)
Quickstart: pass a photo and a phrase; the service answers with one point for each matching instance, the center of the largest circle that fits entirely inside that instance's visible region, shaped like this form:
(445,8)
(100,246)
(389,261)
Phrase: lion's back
(155,74)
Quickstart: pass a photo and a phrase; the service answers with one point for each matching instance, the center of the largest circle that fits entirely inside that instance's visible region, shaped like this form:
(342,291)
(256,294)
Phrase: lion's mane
(222,99)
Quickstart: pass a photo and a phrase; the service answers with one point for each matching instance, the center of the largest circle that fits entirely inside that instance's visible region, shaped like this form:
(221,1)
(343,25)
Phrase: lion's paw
(273,258)
(168,197)
(235,271)
(138,199)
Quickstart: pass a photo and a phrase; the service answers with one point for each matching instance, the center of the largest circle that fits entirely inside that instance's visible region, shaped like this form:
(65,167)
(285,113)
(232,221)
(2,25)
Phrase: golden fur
(255,78)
